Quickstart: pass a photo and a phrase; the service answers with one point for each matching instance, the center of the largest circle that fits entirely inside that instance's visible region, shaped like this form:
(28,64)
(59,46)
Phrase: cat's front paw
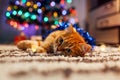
(25,44)
(41,50)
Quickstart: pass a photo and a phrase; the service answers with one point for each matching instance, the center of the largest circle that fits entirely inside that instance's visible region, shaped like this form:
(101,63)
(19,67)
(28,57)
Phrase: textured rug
(100,64)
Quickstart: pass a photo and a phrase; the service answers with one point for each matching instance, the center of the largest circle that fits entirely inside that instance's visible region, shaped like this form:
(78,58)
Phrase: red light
(15,25)
(36,27)
(62,2)
(11,23)
(26,25)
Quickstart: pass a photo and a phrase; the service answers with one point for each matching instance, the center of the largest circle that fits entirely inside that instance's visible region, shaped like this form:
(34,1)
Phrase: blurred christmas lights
(52,3)
(24,14)
(28,3)
(7,14)
(39,11)
(45,19)
(20,12)
(35,6)
(14,12)
(36,27)
(23,1)
(38,4)
(33,17)
(56,22)
(27,14)
(30,9)
(9,8)
(55,14)
(15,7)
(69,1)
(17,2)
(64,12)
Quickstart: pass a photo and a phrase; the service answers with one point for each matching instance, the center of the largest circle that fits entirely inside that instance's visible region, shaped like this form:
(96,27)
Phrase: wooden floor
(103,64)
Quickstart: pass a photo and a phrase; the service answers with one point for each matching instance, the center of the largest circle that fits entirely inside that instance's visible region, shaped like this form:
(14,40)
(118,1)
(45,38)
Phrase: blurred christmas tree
(31,16)
(41,17)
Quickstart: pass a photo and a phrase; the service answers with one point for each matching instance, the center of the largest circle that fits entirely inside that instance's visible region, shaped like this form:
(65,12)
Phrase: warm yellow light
(55,14)
(102,47)
(15,25)
(53,26)
(34,47)
(28,3)
(35,6)
(43,9)
(15,7)
(9,8)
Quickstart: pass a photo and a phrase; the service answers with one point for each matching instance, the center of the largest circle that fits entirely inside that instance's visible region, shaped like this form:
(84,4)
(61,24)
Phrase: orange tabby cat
(67,42)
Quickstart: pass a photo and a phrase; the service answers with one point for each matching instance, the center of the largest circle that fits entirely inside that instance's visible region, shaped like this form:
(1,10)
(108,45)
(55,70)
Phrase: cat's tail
(28,44)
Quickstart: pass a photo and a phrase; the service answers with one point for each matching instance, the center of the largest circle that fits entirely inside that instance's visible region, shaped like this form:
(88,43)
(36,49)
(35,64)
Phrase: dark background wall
(7,33)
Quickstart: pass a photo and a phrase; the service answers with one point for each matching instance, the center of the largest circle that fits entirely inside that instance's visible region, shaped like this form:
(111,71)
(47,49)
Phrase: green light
(56,22)
(14,12)
(69,1)
(45,19)
(24,1)
(8,14)
(33,17)
(20,12)
(27,14)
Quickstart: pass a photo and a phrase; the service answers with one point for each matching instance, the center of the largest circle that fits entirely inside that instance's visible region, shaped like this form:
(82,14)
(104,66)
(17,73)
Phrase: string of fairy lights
(21,13)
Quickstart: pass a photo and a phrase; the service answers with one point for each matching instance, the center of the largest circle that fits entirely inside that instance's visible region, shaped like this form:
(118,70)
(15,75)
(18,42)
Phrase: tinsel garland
(63,25)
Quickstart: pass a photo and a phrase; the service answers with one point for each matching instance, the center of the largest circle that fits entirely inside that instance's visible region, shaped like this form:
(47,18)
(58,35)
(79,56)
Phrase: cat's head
(71,43)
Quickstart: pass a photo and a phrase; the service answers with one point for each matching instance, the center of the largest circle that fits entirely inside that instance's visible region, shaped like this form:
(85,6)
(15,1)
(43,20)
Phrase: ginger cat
(67,42)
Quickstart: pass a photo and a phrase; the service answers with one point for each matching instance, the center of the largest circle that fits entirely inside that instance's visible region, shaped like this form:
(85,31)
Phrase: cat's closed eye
(60,40)
(68,50)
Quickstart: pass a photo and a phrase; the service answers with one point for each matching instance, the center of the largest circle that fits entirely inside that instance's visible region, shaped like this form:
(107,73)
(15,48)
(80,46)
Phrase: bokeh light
(20,12)
(23,1)
(52,3)
(38,4)
(36,27)
(39,11)
(11,23)
(30,9)
(14,12)
(15,7)
(45,19)
(33,17)
(35,6)
(28,4)
(55,14)
(64,12)
(7,14)
(27,14)
(69,1)
(9,8)
(17,2)
(56,22)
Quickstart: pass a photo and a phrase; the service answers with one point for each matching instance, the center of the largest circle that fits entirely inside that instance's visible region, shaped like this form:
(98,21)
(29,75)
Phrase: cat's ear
(70,29)
(85,48)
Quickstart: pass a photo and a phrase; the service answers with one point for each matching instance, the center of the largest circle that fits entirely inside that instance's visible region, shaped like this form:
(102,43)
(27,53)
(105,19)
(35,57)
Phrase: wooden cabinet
(105,22)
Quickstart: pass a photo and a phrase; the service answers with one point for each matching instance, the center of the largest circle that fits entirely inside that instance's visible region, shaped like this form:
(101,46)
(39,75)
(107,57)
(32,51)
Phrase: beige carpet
(20,65)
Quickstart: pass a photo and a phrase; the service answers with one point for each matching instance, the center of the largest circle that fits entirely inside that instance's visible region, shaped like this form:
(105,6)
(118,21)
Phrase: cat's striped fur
(67,42)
